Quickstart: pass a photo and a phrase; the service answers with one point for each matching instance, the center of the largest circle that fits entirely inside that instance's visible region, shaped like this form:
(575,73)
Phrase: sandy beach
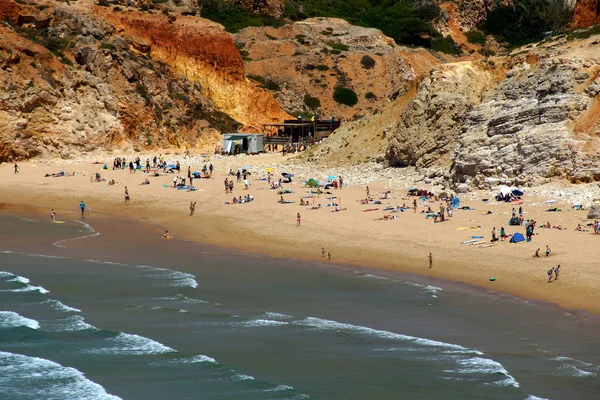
(353,236)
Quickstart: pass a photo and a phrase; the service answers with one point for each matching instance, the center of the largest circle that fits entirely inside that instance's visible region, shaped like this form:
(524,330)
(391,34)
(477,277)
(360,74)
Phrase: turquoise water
(122,314)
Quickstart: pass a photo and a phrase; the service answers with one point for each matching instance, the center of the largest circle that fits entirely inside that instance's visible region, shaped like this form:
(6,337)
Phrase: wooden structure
(236,143)
(299,131)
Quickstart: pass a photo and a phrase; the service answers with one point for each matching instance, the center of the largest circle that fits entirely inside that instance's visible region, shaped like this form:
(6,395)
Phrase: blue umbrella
(517,192)
(286,175)
(331,178)
(171,166)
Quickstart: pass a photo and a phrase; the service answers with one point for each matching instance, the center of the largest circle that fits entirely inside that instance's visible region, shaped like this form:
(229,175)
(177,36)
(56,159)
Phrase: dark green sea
(105,309)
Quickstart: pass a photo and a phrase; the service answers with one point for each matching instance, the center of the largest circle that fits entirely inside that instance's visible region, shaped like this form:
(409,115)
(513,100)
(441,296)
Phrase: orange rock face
(204,53)
(585,14)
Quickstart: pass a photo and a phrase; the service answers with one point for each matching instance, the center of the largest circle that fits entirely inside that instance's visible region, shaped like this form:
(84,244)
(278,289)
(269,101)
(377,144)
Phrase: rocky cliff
(520,119)
(79,77)
(305,61)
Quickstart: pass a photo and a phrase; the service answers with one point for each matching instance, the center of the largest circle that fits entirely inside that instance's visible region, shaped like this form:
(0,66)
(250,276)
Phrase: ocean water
(107,310)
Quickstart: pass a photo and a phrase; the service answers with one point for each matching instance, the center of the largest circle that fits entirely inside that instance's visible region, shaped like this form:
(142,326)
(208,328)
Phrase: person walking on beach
(556,272)
(53,215)
(322,252)
(494,239)
(328,256)
(537,253)
(550,271)
(430,260)
(126,196)
(415,205)
(341,180)
(298,218)
(210,169)
(187,154)
(82,206)
(226,183)
(547,251)
(16,168)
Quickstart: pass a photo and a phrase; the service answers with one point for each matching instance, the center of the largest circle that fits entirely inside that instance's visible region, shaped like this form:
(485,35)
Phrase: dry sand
(352,236)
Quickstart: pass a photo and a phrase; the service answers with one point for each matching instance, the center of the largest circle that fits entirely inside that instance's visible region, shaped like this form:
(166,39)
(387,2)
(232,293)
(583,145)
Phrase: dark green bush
(233,17)
(257,78)
(311,102)
(476,37)
(525,21)
(322,67)
(271,85)
(338,46)
(367,62)
(445,45)
(345,96)
(370,96)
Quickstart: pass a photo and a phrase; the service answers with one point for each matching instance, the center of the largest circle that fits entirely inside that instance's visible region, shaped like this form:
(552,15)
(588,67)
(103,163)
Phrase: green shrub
(367,62)
(103,3)
(445,45)
(335,51)
(326,33)
(257,78)
(322,67)
(107,46)
(525,21)
(271,85)
(476,37)
(345,96)
(338,46)
(233,17)
(370,96)
(311,102)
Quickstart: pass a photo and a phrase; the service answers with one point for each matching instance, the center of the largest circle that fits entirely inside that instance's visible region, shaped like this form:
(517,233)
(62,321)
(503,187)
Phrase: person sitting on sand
(428,210)
(579,228)
(537,253)
(235,200)
(548,225)
(146,182)
(112,182)
(166,235)
(301,202)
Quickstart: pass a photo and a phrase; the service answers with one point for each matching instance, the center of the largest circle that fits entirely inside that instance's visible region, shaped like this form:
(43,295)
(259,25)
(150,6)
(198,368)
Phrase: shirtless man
(430,260)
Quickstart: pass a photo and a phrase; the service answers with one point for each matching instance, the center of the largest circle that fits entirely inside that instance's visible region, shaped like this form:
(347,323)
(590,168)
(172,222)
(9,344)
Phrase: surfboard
(59,222)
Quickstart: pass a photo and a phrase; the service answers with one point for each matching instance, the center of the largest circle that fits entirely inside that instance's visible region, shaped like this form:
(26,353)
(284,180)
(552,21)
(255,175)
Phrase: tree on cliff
(526,21)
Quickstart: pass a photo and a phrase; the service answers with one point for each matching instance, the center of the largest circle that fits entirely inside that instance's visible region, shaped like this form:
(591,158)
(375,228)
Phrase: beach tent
(171,166)
(312,182)
(516,238)
(331,178)
(517,192)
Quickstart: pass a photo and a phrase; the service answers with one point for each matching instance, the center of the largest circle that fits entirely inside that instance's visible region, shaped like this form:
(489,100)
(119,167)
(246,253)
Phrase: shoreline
(268,228)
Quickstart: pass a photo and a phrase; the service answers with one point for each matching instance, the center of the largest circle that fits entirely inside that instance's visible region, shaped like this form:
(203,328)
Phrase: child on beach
(328,256)
(556,272)
(537,253)
(547,251)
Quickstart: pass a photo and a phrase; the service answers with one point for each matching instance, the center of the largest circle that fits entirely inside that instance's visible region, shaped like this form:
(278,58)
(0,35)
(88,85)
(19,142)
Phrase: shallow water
(125,315)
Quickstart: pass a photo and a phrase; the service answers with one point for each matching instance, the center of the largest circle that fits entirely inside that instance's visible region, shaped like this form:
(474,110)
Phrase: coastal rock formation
(518,120)
(429,128)
(302,63)
(75,78)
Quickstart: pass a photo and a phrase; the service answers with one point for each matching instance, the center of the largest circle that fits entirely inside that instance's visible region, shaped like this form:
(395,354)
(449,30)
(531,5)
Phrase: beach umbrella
(271,170)
(247,167)
(412,190)
(171,166)
(331,178)
(286,175)
(312,182)
(517,192)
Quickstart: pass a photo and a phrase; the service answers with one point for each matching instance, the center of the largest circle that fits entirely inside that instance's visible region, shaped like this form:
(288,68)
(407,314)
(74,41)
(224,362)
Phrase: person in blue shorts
(82,206)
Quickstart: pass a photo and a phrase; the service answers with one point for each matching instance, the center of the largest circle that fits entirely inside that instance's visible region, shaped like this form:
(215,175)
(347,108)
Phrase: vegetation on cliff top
(525,21)
(398,19)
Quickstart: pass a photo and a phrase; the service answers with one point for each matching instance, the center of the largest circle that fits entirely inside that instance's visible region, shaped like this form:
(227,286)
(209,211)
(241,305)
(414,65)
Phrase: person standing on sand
(53,215)
(82,206)
(537,253)
(430,260)
(210,169)
(494,239)
(341,180)
(298,218)
(368,193)
(547,251)
(556,272)
(322,252)
(16,168)
(226,183)
(126,196)
(415,205)
(328,256)
(550,271)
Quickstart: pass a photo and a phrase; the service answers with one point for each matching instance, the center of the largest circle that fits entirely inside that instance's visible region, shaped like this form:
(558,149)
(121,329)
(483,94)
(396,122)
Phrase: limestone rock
(594,211)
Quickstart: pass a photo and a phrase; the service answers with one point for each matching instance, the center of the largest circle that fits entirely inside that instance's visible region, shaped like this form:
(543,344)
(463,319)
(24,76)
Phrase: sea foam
(73,323)
(10,319)
(125,343)
(58,306)
(45,379)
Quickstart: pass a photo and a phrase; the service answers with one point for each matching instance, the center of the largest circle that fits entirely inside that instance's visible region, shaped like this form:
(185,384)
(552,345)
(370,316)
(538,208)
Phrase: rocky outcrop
(273,8)
(516,120)
(204,53)
(586,13)
(302,63)
(429,128)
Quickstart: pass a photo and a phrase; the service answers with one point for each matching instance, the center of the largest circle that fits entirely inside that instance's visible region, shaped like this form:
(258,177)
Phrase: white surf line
(58,244)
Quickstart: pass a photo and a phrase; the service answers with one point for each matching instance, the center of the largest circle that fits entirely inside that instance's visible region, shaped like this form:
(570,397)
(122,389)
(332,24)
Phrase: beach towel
(468,241)
(477,237)
(371,209)
(469,228)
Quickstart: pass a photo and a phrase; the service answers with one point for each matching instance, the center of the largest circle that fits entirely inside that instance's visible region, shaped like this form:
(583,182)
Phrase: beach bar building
(236,143)
(300,130)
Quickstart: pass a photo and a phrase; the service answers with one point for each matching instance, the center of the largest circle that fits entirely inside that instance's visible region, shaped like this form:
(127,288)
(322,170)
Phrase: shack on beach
(300,130)
(249,143)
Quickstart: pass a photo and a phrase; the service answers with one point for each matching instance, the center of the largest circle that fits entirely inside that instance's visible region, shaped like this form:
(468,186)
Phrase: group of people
(246,199)
(554,271)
